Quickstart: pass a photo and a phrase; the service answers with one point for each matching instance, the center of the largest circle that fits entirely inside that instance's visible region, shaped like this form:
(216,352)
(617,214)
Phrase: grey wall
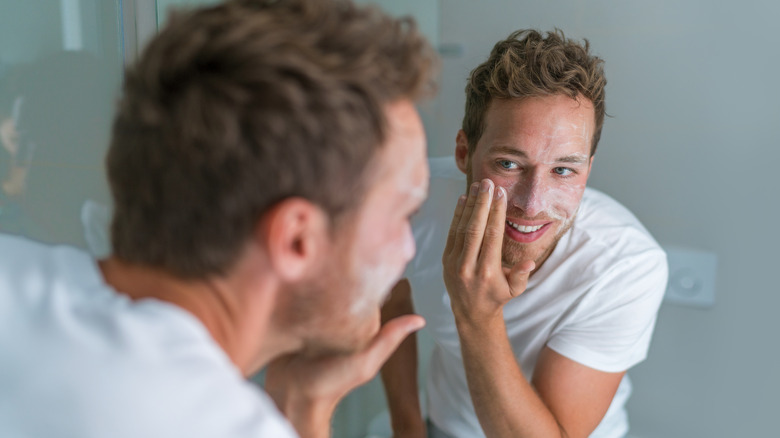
(29,29)
(691,150)
(68,100)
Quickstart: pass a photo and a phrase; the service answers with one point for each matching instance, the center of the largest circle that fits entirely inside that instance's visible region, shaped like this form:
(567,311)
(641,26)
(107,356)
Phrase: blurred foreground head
(236,107)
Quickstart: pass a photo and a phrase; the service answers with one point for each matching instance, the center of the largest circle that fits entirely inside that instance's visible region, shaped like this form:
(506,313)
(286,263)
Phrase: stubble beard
(317,313)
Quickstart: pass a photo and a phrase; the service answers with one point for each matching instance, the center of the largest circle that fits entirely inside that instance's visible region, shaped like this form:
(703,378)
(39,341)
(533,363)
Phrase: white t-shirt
(79,360)
(594,301)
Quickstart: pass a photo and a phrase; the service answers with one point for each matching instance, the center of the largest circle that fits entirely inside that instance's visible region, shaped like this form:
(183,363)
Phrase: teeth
(524,229)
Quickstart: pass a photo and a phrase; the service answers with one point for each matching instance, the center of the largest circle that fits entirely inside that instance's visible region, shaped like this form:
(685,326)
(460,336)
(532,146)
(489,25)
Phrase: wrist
(470,319)
(482,330)
(408,425)
(310,417)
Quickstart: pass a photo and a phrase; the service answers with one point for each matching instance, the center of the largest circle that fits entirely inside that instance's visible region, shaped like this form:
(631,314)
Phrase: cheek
(389,246)
(481,171)
(565,199)
(398,247)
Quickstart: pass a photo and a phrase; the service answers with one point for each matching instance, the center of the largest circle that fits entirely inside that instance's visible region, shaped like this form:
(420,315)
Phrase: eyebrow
(570,159)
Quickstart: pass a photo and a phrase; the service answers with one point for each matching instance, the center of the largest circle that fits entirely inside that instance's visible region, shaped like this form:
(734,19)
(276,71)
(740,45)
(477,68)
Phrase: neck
(235,309)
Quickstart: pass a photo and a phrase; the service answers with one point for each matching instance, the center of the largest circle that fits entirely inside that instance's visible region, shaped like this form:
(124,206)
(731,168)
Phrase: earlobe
(294,231)
(462,151)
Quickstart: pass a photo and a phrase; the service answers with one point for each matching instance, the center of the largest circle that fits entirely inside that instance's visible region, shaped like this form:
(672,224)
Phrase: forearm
(399,374)
(310,418)
(505,402)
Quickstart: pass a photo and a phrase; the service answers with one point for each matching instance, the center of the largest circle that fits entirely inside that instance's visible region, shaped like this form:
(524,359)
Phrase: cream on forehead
(581,131)
(568,160)
(575,136)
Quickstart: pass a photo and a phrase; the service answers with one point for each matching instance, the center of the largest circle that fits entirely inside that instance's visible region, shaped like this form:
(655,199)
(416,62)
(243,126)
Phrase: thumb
(390,336)
(518,277)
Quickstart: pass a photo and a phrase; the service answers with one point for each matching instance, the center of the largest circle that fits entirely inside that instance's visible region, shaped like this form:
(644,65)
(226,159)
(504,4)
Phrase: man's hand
(307,388)
(476,281)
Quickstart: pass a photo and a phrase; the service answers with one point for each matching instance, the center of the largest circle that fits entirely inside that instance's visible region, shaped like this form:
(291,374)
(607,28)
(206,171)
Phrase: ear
(295,233)
(462,151)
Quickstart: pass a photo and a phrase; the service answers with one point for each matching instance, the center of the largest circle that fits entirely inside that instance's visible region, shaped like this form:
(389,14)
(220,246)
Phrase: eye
(563,171)
(506,164)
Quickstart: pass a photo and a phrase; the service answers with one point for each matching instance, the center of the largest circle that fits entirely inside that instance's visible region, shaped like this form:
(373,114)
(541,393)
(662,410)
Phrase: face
(377,240)
(538,149)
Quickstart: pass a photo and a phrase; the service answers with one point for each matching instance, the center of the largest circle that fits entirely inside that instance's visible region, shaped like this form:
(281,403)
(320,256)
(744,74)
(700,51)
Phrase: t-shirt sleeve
(611,327)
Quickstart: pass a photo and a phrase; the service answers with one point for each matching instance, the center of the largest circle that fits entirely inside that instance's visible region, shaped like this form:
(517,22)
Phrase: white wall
(691,150)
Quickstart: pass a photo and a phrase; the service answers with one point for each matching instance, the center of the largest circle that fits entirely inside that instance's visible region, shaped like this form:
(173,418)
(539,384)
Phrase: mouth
(526,233)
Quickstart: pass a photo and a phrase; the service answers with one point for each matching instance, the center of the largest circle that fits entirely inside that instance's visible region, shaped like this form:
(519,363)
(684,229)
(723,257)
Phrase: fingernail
(474,188)
(499,193)
(485,185)
(462,199)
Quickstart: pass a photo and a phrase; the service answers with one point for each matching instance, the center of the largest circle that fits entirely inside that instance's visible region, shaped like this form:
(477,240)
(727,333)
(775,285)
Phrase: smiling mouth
(523,228)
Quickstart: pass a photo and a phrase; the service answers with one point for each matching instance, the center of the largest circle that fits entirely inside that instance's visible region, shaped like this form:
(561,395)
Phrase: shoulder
(32,271)
(611,228)
(202,399)
(112,366)
(211,399)
(122,379)
(617,276)
(19,253)
(201,393)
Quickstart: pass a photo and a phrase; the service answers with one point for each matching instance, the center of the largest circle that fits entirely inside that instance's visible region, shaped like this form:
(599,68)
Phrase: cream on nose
(528,195)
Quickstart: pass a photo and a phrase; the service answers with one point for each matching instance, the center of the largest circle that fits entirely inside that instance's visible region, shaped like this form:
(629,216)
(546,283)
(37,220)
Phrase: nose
(528,195)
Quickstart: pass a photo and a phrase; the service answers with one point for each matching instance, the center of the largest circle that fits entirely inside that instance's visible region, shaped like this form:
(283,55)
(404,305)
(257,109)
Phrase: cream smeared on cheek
(545,201)
(376,281)
(391,246)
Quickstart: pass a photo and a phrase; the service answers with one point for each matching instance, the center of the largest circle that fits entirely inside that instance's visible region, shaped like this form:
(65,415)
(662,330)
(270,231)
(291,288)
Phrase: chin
(515,253)
(366,331)
(349,337)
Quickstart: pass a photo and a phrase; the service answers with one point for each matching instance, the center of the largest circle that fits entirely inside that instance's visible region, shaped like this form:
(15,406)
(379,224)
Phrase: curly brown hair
(235,107)
(529,64)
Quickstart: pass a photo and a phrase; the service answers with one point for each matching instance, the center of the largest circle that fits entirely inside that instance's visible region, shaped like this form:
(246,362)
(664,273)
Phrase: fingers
(493,240)
(454,224)
(471,228)
(388,339)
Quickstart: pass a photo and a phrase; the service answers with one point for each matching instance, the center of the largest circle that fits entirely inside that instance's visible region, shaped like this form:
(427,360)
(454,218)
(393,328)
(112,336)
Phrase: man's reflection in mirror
(55,113)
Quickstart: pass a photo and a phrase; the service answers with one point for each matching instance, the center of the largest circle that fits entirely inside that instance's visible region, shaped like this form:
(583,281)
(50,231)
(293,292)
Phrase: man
(260,216)
(543,292)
